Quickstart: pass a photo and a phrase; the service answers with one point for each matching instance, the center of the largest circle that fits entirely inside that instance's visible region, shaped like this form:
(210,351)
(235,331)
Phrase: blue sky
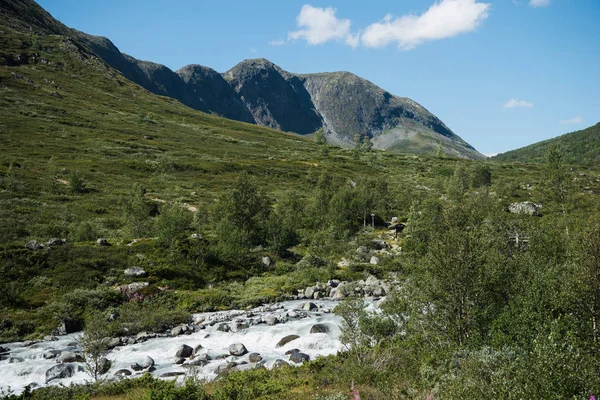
(500,73)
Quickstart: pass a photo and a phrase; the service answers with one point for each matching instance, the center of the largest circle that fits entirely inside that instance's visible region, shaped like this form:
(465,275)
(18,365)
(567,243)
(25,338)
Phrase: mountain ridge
(260,92)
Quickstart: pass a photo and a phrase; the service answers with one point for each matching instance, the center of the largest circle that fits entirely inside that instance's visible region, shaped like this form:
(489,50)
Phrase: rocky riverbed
(269,336)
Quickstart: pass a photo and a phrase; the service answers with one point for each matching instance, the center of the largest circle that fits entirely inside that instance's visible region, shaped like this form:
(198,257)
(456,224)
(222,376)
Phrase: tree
(136,212)
(459,183)
(440,151)
(481,175)
(367,143)
(357,147)
(77,181)
(320,138)
(94,343)
(172,225)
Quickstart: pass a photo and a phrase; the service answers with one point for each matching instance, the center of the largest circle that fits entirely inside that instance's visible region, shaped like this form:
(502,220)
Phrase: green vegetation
(579,147)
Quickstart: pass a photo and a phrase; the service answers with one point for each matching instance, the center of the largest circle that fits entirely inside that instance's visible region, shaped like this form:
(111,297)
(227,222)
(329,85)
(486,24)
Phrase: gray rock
(291,351)
(70,357)
(372,281)
(280,363)
(525,208)
(143,336)
(133,287)
(299,357)
(266,261)
(135,272)
(15,360)
(333,283)
(179,330)
(179,361)
(60,371)
(148,362)
(196,236)
(309,306)
(271,320)
(319,328)
(223,327)
(4,349)
(184,351)
(123,372)
(104,365)
(197,349)
(286,340)
(50,338)
(114,342)
(378,291)
(254,358)
(102,242)
(34,245)
(379,244)
(309,292)
(51,354)
(55,242)
(237,349)
(136,367)
(374,260)
(172,374)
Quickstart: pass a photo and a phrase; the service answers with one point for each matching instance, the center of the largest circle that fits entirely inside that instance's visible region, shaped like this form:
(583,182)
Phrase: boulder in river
(280,363)
(299,357)
(148,362)
(319,328)
(237,349)
(15,360)
(254,358)
(184,351)
(309,306)
(70,357)
(286,340)
(123,372)
(60,371)
(172,374)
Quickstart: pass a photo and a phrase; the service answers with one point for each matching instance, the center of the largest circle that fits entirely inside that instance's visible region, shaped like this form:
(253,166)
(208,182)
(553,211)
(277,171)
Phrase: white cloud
(277,42)
(490,154)
(444,19)
(574,120)
(320,25)
(514,103)
(539,3)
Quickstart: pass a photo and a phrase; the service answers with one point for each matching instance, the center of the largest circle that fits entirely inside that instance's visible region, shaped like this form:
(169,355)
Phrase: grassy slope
(579,147)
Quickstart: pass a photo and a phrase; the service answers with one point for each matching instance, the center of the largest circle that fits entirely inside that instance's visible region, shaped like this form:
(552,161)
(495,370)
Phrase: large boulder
(148,362)
(34,245)
(55,242)
(319,328)
(104,365)
(299,357)
(525,208)
(266,261)
(237,349)
(271,320)
(123,372)
(60,371)
(184,351)
(254,358)
(69,326)
(70,357)
(310,291)
(374,260)
(286,340)
(135,272)
(309,306)
(102,242)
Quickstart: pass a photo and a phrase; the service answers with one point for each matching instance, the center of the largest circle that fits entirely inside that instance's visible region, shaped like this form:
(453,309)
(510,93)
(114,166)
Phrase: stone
(184,351)
(254,358)
(203,357)
(379,244)
(291,351)
(240,326)
(15,360)
(4,349)
(309,306)
(286,340)
(143,336)
(223,327)
(378,291)
(237,349)
(309,292)
(133,287)
(114,342)
(135,272)
(70,357)
(280,363)
(333,283)
(179,361)
(104,365)
(319,328)
(372,281)
(179,330)
(51,354)
(34,245)
(68,326)
(271,320)
(196,236)
(123,372)
(136,367)
(299,357)
(197,349)
(49,338)
(60,371)
(55,242)
(374,260)
(148,362)
(266,261)
(172,374)
(525,208)
(102,242)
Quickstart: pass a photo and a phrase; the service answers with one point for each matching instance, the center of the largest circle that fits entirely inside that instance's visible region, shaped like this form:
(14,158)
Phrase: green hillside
(579,147)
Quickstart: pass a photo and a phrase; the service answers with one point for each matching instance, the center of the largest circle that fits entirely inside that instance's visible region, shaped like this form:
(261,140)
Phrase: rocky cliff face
(258,91)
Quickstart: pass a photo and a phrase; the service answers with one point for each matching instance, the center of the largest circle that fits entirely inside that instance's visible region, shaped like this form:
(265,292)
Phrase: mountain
(260,92)
(579,147)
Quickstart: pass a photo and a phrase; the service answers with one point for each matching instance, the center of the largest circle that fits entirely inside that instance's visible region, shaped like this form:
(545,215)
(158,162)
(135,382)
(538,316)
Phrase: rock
(374,260)
(319,328)
(68,326)
(280,363)
(132,287)
(291,351)
(316,295)
(143,336)
(379,244)
(34,245)
(104,365)
(15,360)
(178,330)
(179,361)
(333,283)
(51,354)
(372,281)
(184,351)
(221,356)
(286,340)
(4,349)
(378,291)
(136,367)
(148,362)
(102,242)
(266,261)
(203,357)
(525,208)
(239,327)
(196,236)
(309,306)
(55,242)
(362,250)
(60,371)
(135,272)
(70,357)
(254,358)
(299,357)
(49,338)
(237,349)
(223,327)
(271,320)
(309,292)
(197,349)
(171,374)
(114,342)
(123,372)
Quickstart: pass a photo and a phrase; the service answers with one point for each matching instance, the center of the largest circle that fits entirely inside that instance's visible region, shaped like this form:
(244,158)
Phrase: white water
(259,338)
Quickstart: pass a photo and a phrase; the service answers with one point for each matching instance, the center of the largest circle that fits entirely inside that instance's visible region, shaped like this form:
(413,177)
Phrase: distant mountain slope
(260,92)
(579,147)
